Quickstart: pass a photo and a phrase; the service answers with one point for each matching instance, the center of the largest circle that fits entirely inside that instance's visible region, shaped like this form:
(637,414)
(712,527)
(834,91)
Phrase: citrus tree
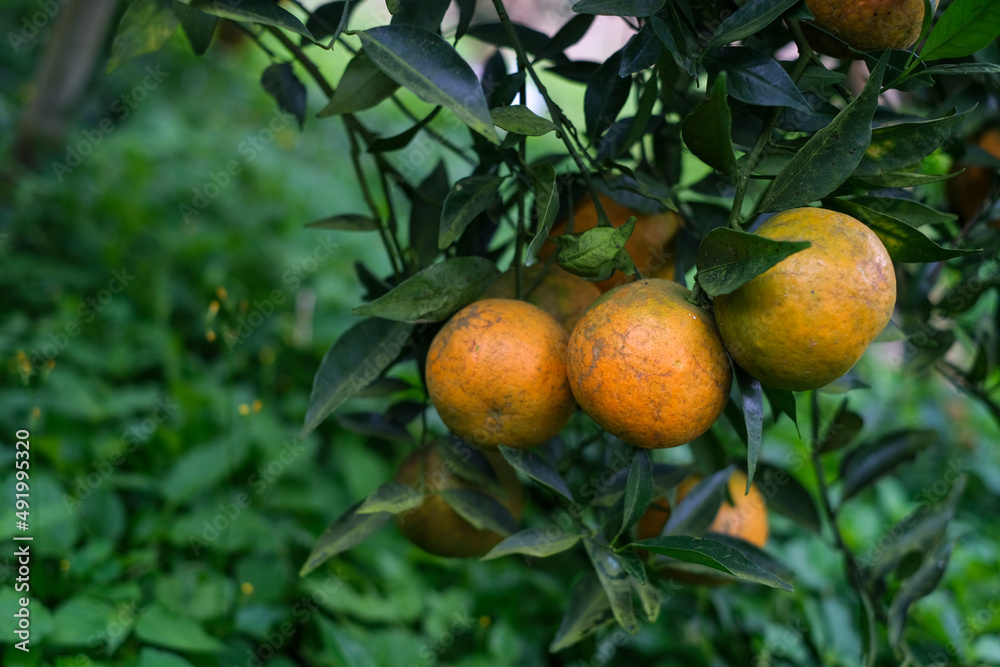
(692,252)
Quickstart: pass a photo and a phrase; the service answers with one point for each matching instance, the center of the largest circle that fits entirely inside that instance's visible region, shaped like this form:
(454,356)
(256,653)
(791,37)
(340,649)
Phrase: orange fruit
(496,372)
(559,293)
(437,528)
(968,191)
(807,320)
(866,25)
(648,365)
(651,245)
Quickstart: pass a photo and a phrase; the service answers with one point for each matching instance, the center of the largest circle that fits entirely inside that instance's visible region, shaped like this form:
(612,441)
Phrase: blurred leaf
(569,34)
(253,11)
(374,425)
(435,293)
(359,356)
(327,20)
(782,402)
(481,510)
(426,14)
(714,554)
(588,611)
(537,542)
(755,78)
(841,431)
(362,86)
(922,583)
(467,198)
(641,52)
(429,67)
(632,564)
(638,488)
(350,529)
(145,27)
(640,122)
(280,82)
(403,139)
(615,581)
(345,649)
(707,132)
(637,8)
(469,463)
(900,146)
(868,629)
(749,19)
(666,476)
(81,618)
(546,191)
(949,69)
(965,27)
(752,399)
(532,40)
(161,627)
(200,468)
(522,120)
(466,12)
(199,27)
(538,468)
(425,214)
(903,242)
(649,594)
(348,222)
(866,464)
(786,495)
(391,497)
(695,513)
(605,96)
(154,657)
(728,259)
(830,155)
(597,252)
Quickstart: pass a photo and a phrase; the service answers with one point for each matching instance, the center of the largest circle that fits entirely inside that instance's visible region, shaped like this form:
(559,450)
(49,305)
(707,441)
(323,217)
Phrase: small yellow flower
(210,335)
(247,588)
(244,409)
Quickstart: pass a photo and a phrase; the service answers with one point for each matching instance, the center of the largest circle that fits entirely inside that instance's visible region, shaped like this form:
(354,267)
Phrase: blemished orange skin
(649,366)
(807,320)
(651,245)
(866,25)
(437,528)
(968,191)
(496,372)
(559,293)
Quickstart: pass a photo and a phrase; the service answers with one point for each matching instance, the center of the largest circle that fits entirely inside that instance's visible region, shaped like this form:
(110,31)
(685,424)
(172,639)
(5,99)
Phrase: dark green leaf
(900,146)
(695,513)
(714,554)
(666,476)
(752,398)
(596,253)
(669,42)
(568,35)
(707,132)
(816,78)
(362,86)
(632,564)
(145,27)
(537,468)
(903,242)
(605,96)
(327,20)
(830,155)
(866,464)
(468,198)
(374,425)
(638,8)
(161,627)
(638,488)
(469,463)
(749,19)
(841,431)
(347,531)
(384,387)
(280,82)
(263,12)
(728,259)
(965,27)
(425,214)
(546,191)
(909,211)
(532,40)
(466,12)
(481,510)
(900,179)
(640,122)
(649,593)
(428,66)
(782,402)
(435,293)
(537,542)
(868,629)
(588,611)
(922,583)
(522,120)
(641,52)
(426,14)
(616,583)
(199,27)
(755,78)
(964,68)
(357,358)
(786,495)
(391,497)
(763,559)
(403,139)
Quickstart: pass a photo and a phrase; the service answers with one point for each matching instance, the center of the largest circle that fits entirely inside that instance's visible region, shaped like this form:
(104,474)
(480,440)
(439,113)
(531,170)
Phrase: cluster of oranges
(643,359)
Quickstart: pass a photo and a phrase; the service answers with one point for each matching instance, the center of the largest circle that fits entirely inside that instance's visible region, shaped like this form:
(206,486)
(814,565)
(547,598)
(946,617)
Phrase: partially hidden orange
(969,190)
(865,25)
(559,293)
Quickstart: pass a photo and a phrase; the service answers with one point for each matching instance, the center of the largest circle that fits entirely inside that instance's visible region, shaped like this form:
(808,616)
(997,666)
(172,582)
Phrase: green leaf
(391,497)
(640,122)
(80,619)
(830,155)
(866,464)
(434,294)
(588,611)
(467,198)
(615,581)
(536,542)
(909,211)
(469,463)
(350,529)
(714,554)
(347,222)
(428,66)
(666,37)
(160,627)
(328,20)
(638,488)
(641,52)
(537,468)
(786,495)
(749,19)
(782,402)
(522,120)
(427,204)
(964,68)
(426,14)
(965,27)
(362,86)
(728,259)
(481,510)
(546,191)
(755,78)
(900,146)
(922,583)
(263,12)
(145,27)
(280,82)
(569,34)
(707,132)
(763,559)
(154,657)
(358,357)
(902,179)
(666,476)
(596,253)
(903,242)
(752,398)
(695,513)
(605,96)
(841,431)
(199,27)
(632,564)
(637,8)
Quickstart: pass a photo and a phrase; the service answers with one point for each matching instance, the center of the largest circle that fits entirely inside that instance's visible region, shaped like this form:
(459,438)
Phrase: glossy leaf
(752,399)
(428,66)
(669,42)
(755,78)
(538,468)
(263,12)
(900,146)
(145,27)
(866,464)
(728,259)
(280,82)
(785,494)
(426,14)
(546,191)
(588,611)
(707,132)
(391,497)
(349,530)
(596,253)
(713,554)
(641,52)
(965,27)
(616,583)
(362,86)
(522,120)
(536,542)
(467,198)
(199,27)
(638,488)
(697,510)
(481,510)
(433,294)
(922,583)
(749,19)
(605,96)
(762,558)
(358,357)
(638,8)
(909,211)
